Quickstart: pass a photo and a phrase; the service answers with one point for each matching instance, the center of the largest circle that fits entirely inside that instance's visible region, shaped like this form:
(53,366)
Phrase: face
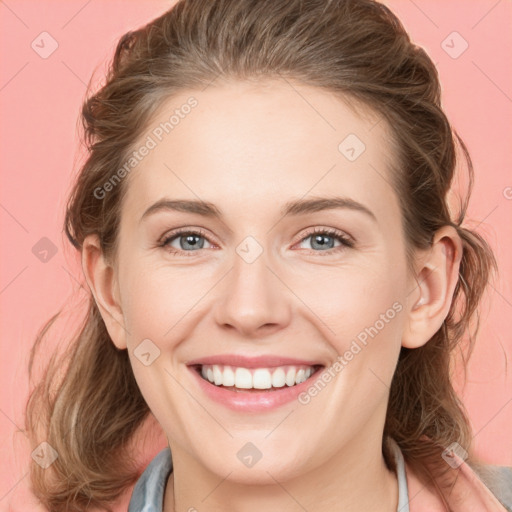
(268,285)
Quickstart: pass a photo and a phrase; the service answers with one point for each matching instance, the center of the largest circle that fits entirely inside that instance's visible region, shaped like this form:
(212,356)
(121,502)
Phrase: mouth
(240,379)
(253,385)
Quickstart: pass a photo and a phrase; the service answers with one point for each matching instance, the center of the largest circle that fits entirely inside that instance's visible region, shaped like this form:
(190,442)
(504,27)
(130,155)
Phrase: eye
(189,241)
(184,241)
(323,240)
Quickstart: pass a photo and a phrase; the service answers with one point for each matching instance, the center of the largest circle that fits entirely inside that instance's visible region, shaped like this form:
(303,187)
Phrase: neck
(355,478)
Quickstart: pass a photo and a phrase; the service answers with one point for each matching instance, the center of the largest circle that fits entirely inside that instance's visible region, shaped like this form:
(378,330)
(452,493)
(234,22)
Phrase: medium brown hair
(356,49)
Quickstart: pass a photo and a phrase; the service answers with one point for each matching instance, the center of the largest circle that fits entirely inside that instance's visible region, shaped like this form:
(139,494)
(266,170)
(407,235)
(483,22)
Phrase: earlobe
(434,284)
(100,277)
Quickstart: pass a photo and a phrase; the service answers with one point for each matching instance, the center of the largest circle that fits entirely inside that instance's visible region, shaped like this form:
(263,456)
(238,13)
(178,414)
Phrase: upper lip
(242,361)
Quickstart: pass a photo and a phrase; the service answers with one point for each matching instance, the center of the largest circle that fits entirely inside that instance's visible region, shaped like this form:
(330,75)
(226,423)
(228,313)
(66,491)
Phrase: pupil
(320,240)
(191,240)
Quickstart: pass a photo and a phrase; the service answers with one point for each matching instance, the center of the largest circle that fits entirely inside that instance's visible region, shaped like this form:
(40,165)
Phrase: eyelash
(346,242)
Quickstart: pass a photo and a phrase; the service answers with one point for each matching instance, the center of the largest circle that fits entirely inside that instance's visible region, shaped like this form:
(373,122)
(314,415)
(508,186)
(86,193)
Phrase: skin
(249,148)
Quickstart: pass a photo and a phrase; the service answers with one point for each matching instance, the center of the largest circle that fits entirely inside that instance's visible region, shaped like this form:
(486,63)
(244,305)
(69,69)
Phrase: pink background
(40,101)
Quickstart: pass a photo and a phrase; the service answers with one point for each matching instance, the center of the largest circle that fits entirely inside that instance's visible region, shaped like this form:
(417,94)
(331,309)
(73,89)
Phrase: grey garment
(148,493)
(403,491)
(499,480)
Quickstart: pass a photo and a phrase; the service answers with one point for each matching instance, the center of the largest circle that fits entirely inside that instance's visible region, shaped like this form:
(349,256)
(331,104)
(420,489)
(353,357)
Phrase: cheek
(156,300)
(356,302)
(364,310)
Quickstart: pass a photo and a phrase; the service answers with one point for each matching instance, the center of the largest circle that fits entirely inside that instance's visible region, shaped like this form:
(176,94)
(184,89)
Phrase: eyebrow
(293,208)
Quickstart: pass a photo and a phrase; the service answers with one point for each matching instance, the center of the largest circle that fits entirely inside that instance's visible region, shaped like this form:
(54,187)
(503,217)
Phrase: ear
(101,278)
(437,273)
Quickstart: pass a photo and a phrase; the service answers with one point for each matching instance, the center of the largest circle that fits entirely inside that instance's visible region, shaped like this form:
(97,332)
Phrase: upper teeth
(258,378)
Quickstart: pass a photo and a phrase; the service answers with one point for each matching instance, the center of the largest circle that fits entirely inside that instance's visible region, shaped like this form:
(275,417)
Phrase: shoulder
(468,484)
(498,479)
(148,493)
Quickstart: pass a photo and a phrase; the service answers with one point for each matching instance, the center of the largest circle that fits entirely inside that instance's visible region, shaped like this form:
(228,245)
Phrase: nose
(253,300)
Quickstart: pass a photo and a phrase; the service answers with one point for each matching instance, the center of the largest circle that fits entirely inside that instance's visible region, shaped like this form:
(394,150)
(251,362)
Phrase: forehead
(247,144)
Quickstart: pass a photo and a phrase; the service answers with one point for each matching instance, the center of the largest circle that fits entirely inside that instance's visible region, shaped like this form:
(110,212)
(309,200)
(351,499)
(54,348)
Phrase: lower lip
(253,401)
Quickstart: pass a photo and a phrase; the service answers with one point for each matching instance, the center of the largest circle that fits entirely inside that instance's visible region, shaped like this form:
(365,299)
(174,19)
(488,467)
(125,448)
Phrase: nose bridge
(250,274)
(252,296)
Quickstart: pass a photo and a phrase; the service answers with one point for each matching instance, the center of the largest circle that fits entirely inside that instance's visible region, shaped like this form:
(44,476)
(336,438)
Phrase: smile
(253,384)
(241,378)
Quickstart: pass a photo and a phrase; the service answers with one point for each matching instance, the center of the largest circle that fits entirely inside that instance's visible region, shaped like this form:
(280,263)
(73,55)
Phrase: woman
(276,274)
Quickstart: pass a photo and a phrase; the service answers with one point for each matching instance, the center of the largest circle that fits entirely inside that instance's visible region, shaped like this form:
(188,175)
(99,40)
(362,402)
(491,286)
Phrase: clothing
(470,495)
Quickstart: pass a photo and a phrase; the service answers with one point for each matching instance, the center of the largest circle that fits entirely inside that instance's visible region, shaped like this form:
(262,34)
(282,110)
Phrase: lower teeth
(245,390)
(233,388)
